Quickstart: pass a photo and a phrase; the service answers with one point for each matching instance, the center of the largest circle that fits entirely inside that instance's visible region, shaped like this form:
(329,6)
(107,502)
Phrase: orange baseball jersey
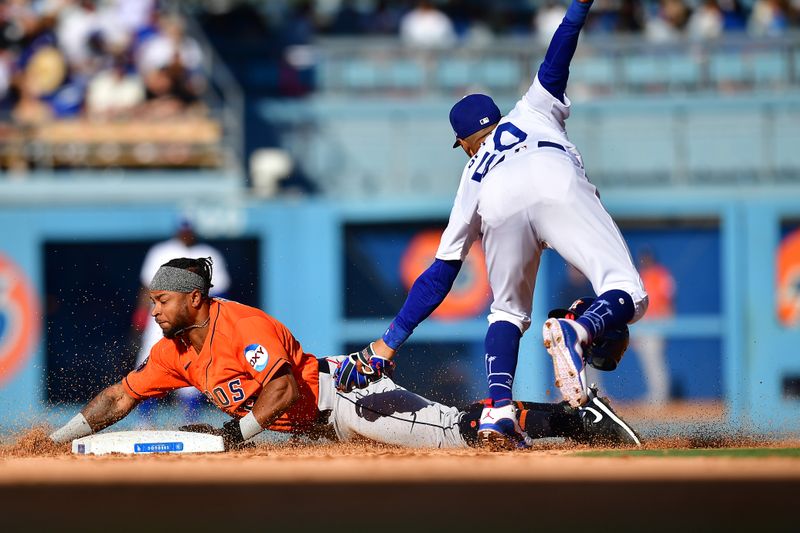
(244,348)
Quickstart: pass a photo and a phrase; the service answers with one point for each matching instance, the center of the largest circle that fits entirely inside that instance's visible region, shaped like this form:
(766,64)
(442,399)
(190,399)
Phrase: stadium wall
(317,263)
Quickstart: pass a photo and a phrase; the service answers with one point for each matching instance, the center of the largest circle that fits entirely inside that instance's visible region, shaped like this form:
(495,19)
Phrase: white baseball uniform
(386,412)
(524,190)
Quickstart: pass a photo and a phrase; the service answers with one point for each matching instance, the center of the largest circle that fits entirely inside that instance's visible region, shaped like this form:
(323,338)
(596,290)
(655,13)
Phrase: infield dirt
(304,486)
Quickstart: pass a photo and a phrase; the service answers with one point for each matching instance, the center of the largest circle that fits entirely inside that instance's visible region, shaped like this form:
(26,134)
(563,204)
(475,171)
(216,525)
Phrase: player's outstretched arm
(110,406)
(279,394)
(554,70)
(428,291)
(374,361)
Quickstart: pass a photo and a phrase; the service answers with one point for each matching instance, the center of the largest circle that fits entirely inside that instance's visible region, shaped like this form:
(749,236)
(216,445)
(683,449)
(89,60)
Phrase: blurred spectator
(299,26)
(169,45)
(131,15)
(734,16)
(630,18)
(29,109)
(347,21)
(62,58)
(769,18)
(384,19)
(5,75)
(170,63)
(547,20)
(427,27)
(77,22)
(42,74)
(706,22)
(472,22)
(660,287)
(114,92)
(668,23)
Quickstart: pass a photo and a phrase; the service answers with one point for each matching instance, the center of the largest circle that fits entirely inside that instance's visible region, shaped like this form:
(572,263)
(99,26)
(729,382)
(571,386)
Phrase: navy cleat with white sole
(602,426)
(563,343)
(500,430)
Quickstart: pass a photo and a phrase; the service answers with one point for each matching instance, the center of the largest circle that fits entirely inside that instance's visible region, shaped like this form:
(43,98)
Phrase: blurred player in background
(251,367)
(660,287)
(525,189)
(183,244)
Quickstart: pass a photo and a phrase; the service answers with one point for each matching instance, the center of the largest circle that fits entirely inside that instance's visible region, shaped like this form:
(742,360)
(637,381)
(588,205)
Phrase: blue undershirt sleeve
(428,291)
(554,70)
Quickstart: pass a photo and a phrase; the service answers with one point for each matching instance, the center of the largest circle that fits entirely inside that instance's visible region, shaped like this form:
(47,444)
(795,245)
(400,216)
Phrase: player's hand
(230,432)
(199,428)
(362,368)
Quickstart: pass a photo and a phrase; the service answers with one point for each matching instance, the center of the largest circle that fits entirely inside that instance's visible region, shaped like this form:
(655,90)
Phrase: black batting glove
(231,434)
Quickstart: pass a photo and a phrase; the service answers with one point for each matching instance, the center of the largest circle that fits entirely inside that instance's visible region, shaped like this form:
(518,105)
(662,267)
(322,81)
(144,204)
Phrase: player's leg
(386,412)
(538,420)
(512,253)
(595,423)
(571,219)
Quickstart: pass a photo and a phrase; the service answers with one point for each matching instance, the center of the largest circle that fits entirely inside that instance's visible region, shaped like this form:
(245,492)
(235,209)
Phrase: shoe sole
(494,441)
(568,379)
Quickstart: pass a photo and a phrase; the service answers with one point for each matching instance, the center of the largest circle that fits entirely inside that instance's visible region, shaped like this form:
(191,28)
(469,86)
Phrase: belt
(548,144)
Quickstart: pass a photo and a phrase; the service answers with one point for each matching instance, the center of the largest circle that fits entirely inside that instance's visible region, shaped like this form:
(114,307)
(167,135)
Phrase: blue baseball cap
(473,113)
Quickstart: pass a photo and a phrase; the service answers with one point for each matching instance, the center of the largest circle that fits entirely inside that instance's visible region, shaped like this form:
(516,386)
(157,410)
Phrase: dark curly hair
(202,266)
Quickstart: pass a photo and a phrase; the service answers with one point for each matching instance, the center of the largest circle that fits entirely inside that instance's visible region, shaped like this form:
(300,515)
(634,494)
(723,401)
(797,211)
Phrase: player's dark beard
(177,325)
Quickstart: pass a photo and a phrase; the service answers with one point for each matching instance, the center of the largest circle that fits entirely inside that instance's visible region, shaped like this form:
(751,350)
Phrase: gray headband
(175,279)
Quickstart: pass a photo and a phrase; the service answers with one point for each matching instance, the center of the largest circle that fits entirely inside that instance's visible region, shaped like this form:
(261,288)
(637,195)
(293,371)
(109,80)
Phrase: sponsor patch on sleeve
(257,356)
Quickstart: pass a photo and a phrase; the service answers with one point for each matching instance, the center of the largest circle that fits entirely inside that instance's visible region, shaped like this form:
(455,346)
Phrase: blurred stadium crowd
(443,22)
(101,72)
(111,84)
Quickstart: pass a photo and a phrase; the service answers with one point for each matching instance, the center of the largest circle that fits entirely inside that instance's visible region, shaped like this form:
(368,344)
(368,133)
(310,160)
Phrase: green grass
(697,452)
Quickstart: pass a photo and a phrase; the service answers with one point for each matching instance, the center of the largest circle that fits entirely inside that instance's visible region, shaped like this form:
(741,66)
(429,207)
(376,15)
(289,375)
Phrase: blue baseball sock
(502,350)
(611,309)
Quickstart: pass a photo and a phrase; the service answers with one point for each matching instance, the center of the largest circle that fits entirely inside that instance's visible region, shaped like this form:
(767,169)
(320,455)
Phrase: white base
(146,442)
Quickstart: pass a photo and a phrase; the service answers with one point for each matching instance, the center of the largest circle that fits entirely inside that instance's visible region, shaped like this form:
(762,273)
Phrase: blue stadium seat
(406,74)
(683,70)
(645,71)
(727,67)
(593,71)
(770,67)
(453,73)
(501,74)
(359,74)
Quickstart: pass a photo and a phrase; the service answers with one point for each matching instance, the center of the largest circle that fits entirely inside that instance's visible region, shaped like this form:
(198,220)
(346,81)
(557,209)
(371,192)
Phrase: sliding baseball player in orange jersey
(250,366)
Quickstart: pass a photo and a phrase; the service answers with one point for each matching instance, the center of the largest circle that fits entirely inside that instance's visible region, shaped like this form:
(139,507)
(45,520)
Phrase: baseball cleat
(564,346)
(601,425)
(499,429)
